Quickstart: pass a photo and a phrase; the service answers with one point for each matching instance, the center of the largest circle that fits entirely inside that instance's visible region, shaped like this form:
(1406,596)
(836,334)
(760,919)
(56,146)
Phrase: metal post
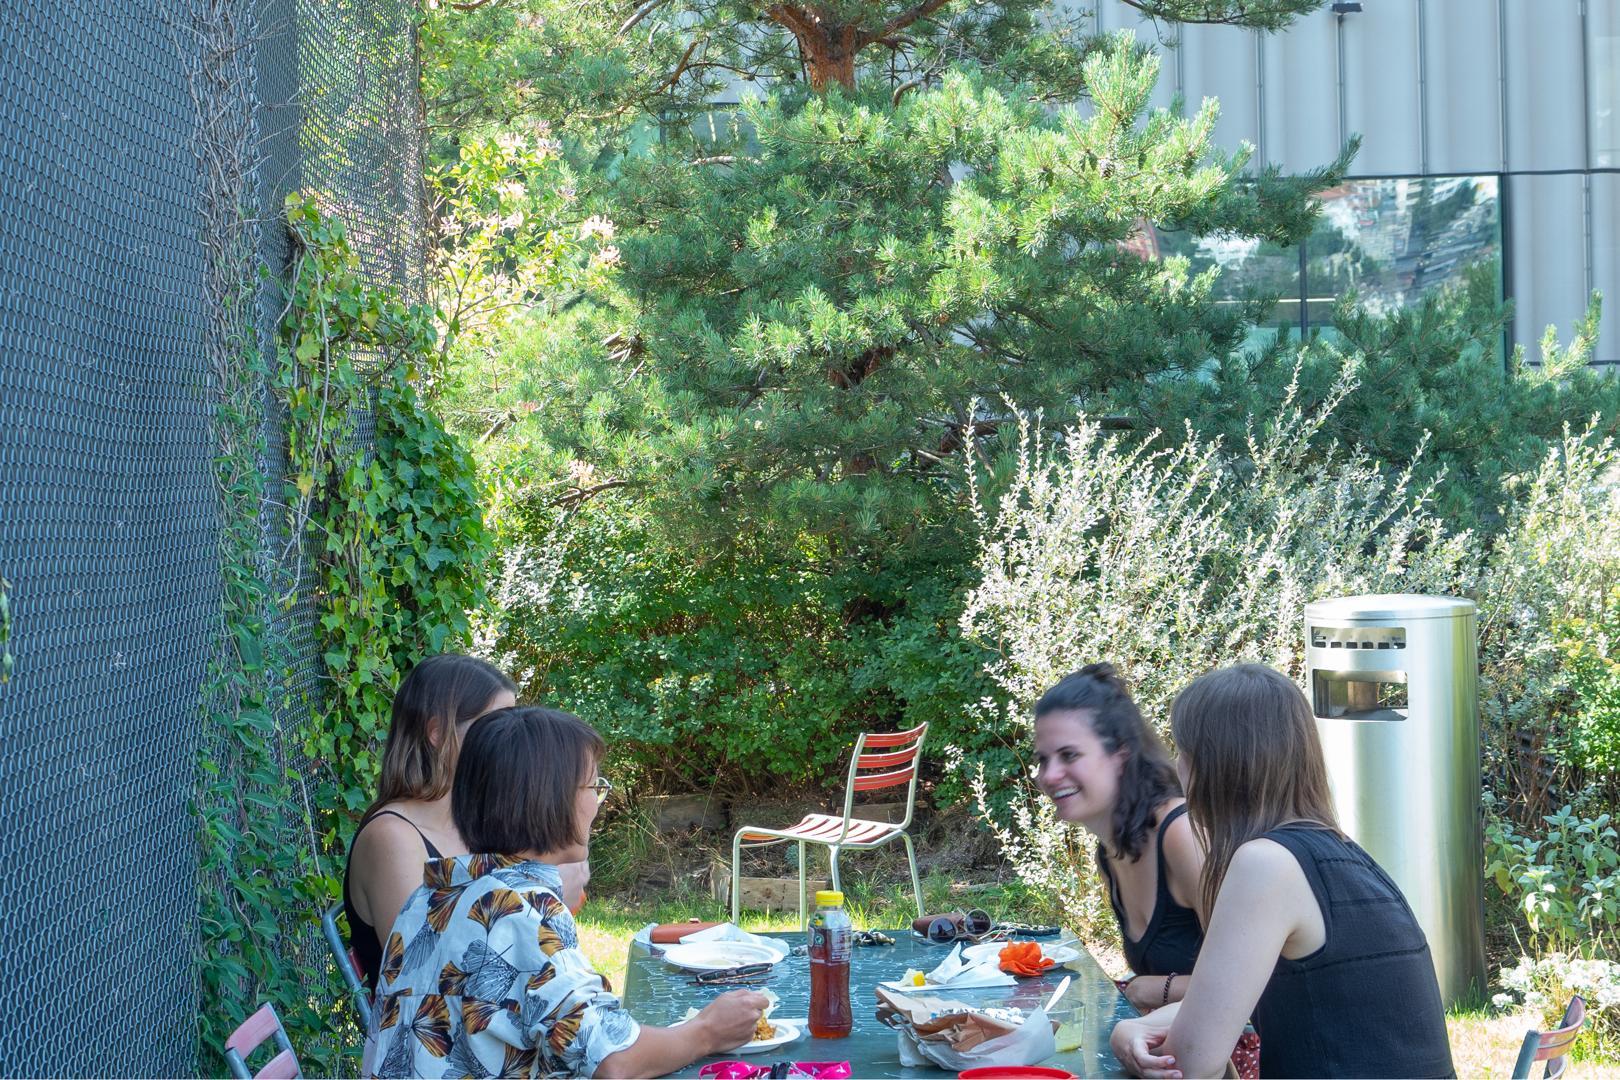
(1260,96)
(1502,78)
(1423,88)
(1344,112)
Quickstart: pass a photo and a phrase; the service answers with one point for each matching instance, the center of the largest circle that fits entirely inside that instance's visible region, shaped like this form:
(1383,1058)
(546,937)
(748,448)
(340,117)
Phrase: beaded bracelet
(1168,979)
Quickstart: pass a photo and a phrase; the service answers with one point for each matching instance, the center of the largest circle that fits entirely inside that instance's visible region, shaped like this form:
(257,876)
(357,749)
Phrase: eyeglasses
(602,786)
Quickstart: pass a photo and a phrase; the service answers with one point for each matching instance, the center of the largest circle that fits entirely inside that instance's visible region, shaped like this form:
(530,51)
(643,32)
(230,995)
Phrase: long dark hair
(438,695)
(1254,761)
(1148,777)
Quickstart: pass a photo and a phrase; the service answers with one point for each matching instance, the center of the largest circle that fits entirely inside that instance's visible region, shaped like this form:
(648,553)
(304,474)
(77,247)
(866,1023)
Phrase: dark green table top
(659,994)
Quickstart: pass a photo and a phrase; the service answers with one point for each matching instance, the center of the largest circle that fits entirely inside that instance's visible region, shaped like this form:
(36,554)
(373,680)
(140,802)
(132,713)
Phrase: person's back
(1374,966)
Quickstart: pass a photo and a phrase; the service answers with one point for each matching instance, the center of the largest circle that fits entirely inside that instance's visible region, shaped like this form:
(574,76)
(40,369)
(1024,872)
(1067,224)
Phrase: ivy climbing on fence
(386,533)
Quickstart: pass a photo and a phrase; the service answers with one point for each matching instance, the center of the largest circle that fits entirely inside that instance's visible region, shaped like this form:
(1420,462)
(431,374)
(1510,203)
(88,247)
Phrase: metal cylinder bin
(1394,683)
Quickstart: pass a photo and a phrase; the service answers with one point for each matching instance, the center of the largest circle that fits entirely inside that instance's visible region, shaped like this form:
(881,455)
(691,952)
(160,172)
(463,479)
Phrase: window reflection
(1394,241)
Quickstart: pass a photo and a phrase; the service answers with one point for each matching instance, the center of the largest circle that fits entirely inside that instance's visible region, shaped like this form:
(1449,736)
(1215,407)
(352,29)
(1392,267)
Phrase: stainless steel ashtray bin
(1394,683)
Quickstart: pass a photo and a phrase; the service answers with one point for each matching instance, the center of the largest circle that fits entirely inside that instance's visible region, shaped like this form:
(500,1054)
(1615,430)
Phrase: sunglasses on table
(956,926)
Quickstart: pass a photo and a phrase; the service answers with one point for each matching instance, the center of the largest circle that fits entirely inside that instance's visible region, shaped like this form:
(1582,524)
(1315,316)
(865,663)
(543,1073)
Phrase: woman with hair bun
(1105,768)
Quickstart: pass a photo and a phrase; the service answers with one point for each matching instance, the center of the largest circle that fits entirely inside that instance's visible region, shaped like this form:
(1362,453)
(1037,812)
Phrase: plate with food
(769,1034)
(991,950)
(718,955)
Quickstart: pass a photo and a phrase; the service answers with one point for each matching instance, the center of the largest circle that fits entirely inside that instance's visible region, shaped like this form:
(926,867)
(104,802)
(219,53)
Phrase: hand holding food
(733,1018)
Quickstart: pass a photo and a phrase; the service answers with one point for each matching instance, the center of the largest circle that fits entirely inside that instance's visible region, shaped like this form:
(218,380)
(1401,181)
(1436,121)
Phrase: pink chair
(1551,1046)
(867,772)
(262,1025)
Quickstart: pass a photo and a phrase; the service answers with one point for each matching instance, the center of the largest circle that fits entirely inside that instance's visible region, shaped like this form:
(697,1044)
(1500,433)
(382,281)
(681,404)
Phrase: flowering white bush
(1169,563)
(1544,986)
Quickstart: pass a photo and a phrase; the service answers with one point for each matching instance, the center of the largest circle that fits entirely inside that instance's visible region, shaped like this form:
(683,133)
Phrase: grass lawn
(1482,1043)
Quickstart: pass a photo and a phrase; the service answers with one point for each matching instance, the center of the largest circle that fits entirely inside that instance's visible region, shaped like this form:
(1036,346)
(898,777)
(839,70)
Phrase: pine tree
(914,208)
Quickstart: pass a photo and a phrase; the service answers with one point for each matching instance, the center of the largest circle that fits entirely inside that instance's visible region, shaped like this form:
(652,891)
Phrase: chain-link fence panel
(108,529)
(109,514)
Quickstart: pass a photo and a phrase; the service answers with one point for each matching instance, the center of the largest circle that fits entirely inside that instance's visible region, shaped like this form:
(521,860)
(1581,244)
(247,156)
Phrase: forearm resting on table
(661,1050)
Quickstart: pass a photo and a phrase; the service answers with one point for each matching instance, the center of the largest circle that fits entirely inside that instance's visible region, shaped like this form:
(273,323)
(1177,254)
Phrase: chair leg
(1527,1056)
(916,884)
(736,878)
(804,913)
(832,853)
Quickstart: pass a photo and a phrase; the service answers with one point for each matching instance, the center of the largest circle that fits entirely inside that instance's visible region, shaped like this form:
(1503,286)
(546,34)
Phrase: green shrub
(725,668)
(1564,880)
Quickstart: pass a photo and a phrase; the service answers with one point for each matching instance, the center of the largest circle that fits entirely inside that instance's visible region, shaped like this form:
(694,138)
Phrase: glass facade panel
(1248,267)
(1393,241)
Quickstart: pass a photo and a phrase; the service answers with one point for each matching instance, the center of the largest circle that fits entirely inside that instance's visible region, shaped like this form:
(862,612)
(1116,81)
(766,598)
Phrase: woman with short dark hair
(1306,932)
(482,975)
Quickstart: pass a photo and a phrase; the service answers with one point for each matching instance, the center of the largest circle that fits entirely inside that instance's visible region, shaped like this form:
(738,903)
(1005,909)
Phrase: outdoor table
(658,993)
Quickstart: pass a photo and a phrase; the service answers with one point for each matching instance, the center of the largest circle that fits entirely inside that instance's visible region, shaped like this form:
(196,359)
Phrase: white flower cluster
(1544,985)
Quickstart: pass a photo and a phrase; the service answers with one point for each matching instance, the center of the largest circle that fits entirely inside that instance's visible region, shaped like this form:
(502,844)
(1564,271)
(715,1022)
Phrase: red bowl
(1016,1072)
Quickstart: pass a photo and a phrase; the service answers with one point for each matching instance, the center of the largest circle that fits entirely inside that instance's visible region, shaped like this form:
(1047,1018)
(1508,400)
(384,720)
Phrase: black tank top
(1367,1002)
(363,937)
(1170,944)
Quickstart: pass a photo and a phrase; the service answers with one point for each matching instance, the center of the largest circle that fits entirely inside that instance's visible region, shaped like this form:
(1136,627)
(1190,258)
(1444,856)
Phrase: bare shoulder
(1264,869)
(1180,842)
(386,838)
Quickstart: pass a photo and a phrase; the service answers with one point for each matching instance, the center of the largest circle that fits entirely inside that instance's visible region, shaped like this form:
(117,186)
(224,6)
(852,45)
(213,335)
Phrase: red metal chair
(262,1025)
(896,763)
(1551,1046)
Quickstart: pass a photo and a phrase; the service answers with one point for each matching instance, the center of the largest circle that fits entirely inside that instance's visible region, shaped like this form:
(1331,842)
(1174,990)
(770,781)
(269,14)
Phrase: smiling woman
(1104,768)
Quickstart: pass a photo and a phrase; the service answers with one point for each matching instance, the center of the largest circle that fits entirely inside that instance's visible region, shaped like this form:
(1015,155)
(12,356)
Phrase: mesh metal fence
(109,521)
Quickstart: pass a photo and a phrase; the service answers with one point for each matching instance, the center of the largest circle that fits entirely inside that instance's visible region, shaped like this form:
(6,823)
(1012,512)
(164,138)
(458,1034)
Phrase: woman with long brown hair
(1305,932)
(409,822)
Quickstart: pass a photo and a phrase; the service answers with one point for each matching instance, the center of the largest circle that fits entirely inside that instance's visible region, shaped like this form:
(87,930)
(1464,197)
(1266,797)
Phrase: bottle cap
(829,898)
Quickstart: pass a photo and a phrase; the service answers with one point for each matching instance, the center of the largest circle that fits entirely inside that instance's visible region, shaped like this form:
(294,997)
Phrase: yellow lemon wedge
(913,977)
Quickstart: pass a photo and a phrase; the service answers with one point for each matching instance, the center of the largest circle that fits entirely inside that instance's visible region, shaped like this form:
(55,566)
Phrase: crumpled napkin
(954,971)
(1023,958)
(723,932)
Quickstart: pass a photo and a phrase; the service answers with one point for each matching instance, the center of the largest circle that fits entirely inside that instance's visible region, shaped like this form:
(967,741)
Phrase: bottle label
(830,945)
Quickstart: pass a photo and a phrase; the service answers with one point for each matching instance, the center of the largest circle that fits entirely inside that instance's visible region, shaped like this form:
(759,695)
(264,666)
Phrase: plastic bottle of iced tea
(831,941)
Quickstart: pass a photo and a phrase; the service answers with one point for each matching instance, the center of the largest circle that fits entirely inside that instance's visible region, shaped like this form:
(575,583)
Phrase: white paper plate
(785,1033)
(718,955)
(989,950)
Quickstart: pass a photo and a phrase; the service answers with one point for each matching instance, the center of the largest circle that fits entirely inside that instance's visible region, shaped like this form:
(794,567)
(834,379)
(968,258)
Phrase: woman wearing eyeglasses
(409,823)
(482,975)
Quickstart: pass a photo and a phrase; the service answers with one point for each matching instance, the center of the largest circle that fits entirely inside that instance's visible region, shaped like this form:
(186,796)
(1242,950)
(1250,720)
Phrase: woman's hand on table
(1137,1045)
(725,1024)
(729,1020)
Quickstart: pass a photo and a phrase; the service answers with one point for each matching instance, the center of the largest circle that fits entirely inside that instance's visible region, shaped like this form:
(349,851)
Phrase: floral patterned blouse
(482,976)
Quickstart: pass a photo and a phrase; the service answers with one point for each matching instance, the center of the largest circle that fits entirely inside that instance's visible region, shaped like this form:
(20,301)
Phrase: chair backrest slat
(284,1066)
(895,738)
(883,780)
(886,761)
(254,1030)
